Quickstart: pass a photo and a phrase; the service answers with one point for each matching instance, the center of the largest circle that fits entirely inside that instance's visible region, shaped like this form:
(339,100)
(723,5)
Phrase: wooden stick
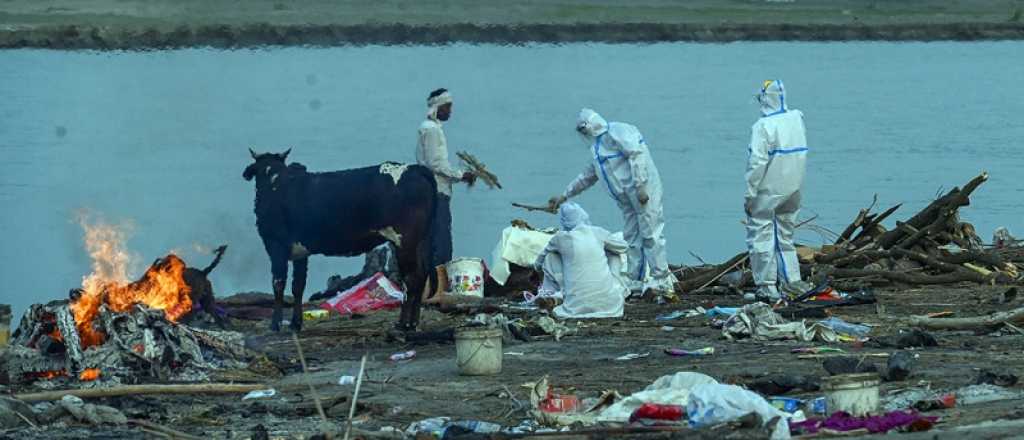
(831,355)
(723,272)
(33,424)
(168,432)
(305,375)
(128,390)
(1015,316)
(478,168)
(355,398)
(546,209)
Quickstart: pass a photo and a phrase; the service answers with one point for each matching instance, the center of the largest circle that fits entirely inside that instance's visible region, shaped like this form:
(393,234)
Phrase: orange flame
(89,374)
(161,287)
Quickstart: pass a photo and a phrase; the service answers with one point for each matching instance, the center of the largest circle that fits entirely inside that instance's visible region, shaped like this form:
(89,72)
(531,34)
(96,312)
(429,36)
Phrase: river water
(158,139)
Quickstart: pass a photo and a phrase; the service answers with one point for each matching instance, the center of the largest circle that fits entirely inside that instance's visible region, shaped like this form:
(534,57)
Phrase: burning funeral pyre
(112,330)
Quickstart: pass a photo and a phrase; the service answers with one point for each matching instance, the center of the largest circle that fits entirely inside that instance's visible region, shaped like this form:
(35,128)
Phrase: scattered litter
(654,411)
(710,404)
(945,401)
(514,353)
(313,315)
(260,394)
(670,390)
(721,311)
(670,316)
(706,351)
(787,404)
(759,322)
(846,328)
(371,294)
(667,328)
(347,380)
(843,422)
(631,356)
(403,356)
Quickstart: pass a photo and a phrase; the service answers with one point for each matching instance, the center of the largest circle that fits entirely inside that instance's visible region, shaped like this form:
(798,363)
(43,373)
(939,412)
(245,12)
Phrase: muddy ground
(140,24)
(398,393)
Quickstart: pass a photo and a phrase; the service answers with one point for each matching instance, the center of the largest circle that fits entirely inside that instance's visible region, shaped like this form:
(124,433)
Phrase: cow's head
(265,167)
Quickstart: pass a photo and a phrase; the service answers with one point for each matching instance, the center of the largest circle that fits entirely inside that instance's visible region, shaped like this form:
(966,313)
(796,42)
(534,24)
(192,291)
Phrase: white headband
(439,100)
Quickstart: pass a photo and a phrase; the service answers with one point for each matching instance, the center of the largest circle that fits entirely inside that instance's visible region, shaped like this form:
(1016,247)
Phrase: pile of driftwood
(932,247)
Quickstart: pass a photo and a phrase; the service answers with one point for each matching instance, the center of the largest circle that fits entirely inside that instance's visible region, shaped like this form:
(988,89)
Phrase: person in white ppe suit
(775,174)
(580,263)
(621,160)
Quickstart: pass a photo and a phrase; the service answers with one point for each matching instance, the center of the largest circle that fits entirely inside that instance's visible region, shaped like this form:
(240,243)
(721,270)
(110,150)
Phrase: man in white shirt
(432,152)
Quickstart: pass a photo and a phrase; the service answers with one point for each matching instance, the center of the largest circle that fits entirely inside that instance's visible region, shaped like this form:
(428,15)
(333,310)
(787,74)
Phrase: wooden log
(902,277)
(1015,316)
(952,201)
(870,225)
(857,222)
(694,282)
(128,390)
(163,430)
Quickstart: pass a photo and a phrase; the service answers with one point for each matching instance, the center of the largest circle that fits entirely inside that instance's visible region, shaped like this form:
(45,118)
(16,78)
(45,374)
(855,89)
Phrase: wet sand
(137,24)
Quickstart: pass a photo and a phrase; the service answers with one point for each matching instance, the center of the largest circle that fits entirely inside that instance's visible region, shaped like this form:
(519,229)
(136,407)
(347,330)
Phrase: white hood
(591,124)
(772,97)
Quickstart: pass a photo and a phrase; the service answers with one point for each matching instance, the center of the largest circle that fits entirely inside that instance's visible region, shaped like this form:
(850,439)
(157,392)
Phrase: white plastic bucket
(856,394)
(478,351)
(466,277)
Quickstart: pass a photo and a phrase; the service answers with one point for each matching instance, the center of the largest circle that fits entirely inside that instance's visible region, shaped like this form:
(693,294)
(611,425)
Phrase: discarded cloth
(714,403)
(669,390)
(519,246)
(759,322)
(843,422)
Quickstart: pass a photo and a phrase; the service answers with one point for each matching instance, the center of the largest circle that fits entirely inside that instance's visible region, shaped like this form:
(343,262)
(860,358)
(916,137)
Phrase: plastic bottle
(657,411)
(844,327)
(478,426)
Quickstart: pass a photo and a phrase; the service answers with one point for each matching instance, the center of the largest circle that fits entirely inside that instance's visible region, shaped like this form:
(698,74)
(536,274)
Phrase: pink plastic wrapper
(374,293)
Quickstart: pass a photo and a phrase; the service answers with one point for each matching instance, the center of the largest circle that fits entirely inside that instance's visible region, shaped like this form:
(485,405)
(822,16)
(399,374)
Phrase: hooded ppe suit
(575,261)
(775,174)
(620,159)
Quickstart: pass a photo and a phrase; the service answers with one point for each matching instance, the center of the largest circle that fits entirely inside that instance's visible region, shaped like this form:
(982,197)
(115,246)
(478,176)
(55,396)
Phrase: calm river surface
(158,139)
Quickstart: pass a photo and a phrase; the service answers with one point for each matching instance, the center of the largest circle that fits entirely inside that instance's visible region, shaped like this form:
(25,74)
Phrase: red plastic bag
(654,411)
(374,293)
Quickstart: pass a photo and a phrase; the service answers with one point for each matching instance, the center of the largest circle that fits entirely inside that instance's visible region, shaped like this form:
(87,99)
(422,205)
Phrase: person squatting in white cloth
(620,158)
(581,262)
(775,173)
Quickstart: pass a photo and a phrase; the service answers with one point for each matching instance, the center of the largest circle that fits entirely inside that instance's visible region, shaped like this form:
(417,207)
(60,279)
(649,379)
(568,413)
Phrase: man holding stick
(432,152)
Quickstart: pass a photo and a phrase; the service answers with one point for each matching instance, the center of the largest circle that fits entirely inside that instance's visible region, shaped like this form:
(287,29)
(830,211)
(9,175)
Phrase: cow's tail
(219,252)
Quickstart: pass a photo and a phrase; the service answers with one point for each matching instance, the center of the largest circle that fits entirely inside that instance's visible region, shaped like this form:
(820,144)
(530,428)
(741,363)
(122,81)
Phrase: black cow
(343,213)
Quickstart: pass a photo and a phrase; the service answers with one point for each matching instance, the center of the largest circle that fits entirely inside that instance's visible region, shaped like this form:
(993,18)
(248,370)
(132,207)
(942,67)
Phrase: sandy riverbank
(137,24)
